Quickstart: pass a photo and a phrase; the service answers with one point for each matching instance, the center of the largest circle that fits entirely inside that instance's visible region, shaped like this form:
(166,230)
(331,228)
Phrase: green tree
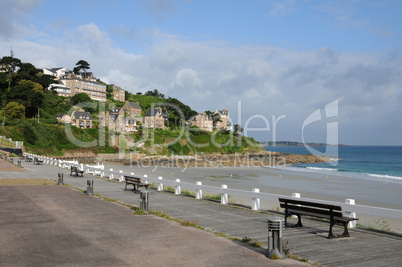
(80,98)
(29,94)
(109,91)
(187,111)
(14,110)
(9,65)
(237,129)
(81,65)
(216,118)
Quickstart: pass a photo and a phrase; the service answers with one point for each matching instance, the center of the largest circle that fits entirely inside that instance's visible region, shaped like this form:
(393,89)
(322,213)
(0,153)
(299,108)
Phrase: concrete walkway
(363,248)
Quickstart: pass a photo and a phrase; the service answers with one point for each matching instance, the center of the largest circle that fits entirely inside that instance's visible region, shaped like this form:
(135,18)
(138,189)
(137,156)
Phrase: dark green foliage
(175,148)
(155,93)
(29,94)
(80,98)
(187,111)
(185,150)
(27,71)
(53,104)
(81,65)
(109,92)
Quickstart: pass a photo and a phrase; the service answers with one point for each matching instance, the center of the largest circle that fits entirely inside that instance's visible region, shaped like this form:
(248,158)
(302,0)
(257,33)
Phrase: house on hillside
(81,119)
(118,120)
(56,72)
(133,109)
(78,84)
(60,89)
(154,119)
(63,118)
(223,123)
(118,93)
(202,121)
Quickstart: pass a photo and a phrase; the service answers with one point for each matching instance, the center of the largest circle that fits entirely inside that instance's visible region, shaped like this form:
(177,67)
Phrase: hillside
(51,139)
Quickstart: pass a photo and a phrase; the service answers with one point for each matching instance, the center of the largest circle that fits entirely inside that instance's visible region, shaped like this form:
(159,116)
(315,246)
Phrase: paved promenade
(363,248)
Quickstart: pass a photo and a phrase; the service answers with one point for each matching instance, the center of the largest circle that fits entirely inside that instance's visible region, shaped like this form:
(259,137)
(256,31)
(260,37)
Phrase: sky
(308,70)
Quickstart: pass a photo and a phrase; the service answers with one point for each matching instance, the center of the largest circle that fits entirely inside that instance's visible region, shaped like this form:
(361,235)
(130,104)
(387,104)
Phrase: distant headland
(292,143)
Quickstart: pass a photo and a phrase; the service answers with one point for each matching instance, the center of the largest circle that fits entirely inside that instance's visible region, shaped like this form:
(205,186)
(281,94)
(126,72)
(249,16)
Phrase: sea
(363,162)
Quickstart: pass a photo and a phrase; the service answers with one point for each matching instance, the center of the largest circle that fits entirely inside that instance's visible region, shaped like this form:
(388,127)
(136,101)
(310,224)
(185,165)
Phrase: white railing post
(177,190)
(111,174)
(81,167)
(255,205)
(160,184)
(198,192)
(349,214)
(121,177)
(224,196)
(295,195)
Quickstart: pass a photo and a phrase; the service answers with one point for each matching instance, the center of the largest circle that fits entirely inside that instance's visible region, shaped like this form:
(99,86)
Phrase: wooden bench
(38,161)
(319,210)
(135,181)
(76,170)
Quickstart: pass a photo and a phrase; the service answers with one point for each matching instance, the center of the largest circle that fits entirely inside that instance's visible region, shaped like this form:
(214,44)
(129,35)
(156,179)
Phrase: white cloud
(280,8)
(268,80)
(186,78)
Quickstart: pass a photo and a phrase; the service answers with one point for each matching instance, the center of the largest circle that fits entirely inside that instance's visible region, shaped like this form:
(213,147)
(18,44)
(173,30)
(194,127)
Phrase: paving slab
(50,225)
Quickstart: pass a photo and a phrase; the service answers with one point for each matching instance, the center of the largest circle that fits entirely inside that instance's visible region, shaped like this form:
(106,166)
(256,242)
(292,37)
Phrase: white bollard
(121,177)
(349,214)
(145,176)
(198,192)
(111,174)
(177,190)
(224,196)
(160,185)
(295,195)
(255,205)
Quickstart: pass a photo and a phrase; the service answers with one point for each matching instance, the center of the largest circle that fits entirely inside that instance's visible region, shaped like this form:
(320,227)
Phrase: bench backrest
(313,207)
(133,179)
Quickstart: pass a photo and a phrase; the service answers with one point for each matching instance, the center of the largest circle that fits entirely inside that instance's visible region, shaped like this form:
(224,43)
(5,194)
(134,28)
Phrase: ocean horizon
(364,162)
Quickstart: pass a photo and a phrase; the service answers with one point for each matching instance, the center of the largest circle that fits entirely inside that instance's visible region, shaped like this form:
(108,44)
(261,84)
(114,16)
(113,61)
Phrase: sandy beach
(309,184)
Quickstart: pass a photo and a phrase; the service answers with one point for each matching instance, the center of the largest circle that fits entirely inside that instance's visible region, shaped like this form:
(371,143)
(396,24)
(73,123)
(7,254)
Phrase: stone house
(154,119)
(118,120)
(118,93)
(81,119)
(224,123)
(89,85)
(133,109)
(202,121)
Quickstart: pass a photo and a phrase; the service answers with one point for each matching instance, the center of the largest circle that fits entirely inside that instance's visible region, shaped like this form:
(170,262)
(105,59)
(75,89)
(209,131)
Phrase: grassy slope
(50,139)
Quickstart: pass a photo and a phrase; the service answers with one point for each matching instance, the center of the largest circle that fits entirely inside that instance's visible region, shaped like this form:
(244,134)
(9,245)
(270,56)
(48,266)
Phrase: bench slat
(318,215)
(312,210)
(312,204)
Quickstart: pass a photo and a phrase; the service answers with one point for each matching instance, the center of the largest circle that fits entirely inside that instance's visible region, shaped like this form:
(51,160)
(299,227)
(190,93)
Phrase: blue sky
(277,58)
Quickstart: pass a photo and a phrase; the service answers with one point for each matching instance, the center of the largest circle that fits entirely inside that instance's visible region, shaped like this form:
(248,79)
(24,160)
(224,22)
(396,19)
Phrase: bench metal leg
(299,223)
(330,234)
(345,231)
